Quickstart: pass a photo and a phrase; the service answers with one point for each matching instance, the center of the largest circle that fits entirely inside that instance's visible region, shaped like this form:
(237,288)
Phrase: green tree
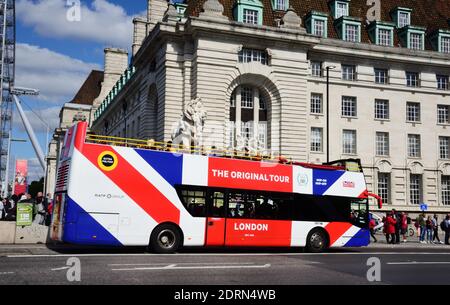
(35,187)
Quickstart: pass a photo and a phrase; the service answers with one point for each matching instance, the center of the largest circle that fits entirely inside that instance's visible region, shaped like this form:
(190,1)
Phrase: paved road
(399,265)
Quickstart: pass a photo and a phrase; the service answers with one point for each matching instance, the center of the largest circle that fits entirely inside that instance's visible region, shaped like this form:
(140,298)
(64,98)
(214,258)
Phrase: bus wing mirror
(378,198)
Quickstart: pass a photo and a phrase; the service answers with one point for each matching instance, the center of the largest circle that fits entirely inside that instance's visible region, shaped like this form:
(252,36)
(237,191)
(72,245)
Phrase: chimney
(140,32)
(155,12)
(116,62)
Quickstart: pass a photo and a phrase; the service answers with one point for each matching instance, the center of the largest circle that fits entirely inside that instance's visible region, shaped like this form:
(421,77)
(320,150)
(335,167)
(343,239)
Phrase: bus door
(215,223)
(256,219)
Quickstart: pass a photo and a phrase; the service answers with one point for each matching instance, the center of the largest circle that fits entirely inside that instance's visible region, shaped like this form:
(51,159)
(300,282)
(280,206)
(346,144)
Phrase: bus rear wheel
(317,241)
(165,238)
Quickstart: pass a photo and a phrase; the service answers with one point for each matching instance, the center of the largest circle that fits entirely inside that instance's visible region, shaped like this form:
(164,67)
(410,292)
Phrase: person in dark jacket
(398,225)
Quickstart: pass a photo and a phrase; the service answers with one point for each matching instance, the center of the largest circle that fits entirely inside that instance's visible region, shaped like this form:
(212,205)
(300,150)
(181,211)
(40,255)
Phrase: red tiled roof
(90,89)
(432,14)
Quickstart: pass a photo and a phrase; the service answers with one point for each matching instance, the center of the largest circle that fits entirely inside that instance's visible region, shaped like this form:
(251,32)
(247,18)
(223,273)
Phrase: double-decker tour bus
(122,192)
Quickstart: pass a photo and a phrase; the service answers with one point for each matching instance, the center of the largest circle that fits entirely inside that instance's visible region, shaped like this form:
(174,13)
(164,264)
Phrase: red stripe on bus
(80,136)
(336,230)
(136,186)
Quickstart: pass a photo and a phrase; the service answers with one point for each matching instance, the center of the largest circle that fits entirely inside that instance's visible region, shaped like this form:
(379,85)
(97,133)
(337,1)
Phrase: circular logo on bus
(107,161)
(302,179)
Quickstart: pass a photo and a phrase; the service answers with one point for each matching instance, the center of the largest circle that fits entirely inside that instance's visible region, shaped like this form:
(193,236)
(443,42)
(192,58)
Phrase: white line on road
(6,273)
(227,254)
(175,267)
(419,263)
(62,268)
(159,264)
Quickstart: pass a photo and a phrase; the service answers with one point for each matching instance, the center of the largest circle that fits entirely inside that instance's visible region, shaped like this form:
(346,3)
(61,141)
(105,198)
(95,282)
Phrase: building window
(443,114)
(341,9)
(415,189)
(280,5)
(382,109)
(445,187)
(316,139)
(414,146)
(444,147)
(262,103)
(316,103)
(349,142)
(412,112)
(247,97)
(250,16)
(349,106)
(412,79)
(384,37)
(319,27)
(445,44)
(250,55)
(348,72)
(403,19)
(316,68)
(381,76)
(442,82)
(382,144)
(352,32)
(415,41)
(384,187)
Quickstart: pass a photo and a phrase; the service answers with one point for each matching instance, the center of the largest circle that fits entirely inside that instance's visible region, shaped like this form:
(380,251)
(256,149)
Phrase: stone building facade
(260,68)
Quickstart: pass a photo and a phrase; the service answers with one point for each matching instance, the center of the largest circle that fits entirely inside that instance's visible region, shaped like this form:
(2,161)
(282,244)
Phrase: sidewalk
(413,242)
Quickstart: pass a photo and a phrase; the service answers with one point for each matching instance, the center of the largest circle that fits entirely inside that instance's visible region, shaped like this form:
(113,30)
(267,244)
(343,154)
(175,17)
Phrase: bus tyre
(165,238)
(317,241)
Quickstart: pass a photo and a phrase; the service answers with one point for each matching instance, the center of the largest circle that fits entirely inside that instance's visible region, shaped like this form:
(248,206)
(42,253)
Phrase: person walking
(436,229)
(390,228)
(404,226)
(398,225)
(429,229)
(372,225)
(421,221)
(446,228)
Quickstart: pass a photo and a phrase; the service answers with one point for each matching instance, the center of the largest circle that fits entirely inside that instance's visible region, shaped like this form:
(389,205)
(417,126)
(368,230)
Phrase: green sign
(24,214)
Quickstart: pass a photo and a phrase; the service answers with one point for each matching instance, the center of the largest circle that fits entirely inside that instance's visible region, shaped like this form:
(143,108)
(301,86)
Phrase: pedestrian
(421,223)
(429,229)
(436,229)
(372,225)
(398,225)
(390,228)
(446,227)
(39,208)
(404,226)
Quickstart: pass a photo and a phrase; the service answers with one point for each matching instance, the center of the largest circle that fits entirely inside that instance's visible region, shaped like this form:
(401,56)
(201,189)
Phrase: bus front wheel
(166,238)
(317,241)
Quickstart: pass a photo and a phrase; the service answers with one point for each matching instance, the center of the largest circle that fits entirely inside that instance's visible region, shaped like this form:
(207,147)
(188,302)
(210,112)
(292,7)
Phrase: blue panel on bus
(362,238)
(168,165)
(80,228)
(324,179)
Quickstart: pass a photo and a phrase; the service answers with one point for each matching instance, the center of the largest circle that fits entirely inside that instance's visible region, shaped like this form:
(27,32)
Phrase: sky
(58,43)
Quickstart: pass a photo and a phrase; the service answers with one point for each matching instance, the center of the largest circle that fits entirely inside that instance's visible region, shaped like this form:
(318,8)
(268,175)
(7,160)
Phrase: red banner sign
(20,181)
(249,175)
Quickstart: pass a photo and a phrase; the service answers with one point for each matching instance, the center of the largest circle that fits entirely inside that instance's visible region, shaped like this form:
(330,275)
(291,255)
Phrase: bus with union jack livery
(124,192)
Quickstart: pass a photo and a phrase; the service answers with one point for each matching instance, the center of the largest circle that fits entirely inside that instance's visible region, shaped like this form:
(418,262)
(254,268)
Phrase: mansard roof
(431,14)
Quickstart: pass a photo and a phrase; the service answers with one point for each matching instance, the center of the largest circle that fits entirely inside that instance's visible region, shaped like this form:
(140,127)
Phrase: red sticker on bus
(250,175)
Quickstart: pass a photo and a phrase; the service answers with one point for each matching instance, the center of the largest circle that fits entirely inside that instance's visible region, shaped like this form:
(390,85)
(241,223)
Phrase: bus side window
(194,201)
(236,202)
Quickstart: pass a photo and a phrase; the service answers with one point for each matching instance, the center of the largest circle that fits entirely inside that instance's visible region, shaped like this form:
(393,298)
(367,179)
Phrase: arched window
(247,127)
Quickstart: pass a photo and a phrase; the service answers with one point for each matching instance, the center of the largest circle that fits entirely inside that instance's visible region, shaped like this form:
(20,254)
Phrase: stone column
(238,123)
(255,114)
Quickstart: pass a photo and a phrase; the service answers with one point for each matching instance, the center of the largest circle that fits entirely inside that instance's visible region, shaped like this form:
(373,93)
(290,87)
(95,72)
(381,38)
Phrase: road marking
(62,268)
(419,263)
(6,273)
(175,267)
(159,264)
(225,254)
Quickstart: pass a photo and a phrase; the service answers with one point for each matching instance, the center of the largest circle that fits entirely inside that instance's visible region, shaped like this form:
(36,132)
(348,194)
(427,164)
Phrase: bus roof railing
(267,156)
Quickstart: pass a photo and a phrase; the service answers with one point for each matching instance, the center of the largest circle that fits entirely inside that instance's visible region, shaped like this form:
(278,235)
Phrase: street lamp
(328,68)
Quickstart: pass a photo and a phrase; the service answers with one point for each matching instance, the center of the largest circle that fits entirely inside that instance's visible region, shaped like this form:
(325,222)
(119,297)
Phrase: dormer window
(248,11)
(339,8)
(280,5)
(440,40)
(401,16)
(412,37)
(382,33)
(317,24)
(349,28)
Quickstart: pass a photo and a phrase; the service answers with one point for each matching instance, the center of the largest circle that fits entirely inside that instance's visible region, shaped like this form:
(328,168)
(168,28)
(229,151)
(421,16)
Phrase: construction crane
(7,75)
